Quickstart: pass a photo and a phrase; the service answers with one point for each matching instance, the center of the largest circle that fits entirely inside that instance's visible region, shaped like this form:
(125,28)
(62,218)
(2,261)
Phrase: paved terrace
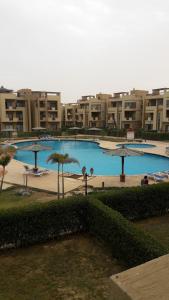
(148,281)
(49,182)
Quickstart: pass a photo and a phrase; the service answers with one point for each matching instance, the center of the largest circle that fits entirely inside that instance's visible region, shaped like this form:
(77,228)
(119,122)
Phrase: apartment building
(26,109)
(70,115)
(46,110)
(13,111)
(91,110)
(156,110)
(125,109)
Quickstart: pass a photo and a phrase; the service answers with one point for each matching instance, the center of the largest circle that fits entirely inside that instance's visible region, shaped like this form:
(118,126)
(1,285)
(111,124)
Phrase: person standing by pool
(91,171)
(144,181)
(84,171)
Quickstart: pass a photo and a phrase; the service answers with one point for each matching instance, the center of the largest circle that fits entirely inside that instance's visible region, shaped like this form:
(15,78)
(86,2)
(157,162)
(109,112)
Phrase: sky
(83,47)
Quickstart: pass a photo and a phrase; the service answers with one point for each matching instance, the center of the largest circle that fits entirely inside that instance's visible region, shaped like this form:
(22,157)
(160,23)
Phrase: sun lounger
(40,172)
(156,177)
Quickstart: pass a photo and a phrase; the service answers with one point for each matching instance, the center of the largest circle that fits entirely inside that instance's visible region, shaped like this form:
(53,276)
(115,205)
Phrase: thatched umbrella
(35,148)
(123,152)
(94,130)
(39,128)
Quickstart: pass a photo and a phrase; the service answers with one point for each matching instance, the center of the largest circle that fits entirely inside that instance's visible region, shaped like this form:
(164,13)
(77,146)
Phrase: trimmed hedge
(138,202)
(37,133)
(153,135)
(127,243)
(41,222)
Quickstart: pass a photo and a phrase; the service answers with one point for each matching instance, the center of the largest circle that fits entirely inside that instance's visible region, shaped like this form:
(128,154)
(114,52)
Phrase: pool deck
(15,171)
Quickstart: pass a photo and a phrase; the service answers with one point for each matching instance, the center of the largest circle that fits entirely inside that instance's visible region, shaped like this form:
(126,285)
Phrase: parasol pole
(35,152)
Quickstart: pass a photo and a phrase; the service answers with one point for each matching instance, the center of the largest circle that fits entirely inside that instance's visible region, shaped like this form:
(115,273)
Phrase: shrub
(40,222)
(138,202)
(152,135)
(126,242)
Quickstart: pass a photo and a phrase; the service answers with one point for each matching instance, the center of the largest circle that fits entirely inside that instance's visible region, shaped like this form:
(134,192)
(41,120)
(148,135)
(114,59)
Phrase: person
(91,171)
(84,171)
(144,181)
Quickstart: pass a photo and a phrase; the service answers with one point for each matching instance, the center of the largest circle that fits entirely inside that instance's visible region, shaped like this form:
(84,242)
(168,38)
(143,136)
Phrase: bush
(127,243)
(41,222)
(138,202)
(152,135)
(39,133)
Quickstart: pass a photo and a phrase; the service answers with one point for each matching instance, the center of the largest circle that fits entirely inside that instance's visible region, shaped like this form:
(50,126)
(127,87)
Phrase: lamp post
(85,177)
(85,180)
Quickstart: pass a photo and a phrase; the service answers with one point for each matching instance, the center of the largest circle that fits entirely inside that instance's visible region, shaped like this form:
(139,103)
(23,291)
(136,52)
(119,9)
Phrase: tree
(56,158)
(66,159)
(9,149)
(5,158)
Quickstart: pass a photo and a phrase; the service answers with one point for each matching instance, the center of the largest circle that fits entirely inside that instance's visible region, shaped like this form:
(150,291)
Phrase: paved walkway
(49,182)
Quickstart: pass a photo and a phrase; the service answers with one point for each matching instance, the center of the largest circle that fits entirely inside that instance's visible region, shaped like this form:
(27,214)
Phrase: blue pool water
(134,145)
(90,155)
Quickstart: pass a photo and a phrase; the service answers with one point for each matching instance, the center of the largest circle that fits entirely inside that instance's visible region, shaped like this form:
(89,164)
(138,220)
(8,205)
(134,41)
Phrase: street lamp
(85,180)
(85,176)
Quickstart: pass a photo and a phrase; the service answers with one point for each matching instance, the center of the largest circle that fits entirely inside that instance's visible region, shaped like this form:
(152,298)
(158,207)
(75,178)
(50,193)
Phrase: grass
(76,268)
(158,227)
(9,198)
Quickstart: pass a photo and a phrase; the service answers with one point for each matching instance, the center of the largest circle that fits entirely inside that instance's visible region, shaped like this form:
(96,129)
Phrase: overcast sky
(81,47)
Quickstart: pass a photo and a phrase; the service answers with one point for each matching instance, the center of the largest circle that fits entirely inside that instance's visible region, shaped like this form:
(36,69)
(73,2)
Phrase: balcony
(150,108)
(130,108)
(149,120)
(52,119)
(112,109)
(8,119)
(53,108)
(129,119)
(10,107)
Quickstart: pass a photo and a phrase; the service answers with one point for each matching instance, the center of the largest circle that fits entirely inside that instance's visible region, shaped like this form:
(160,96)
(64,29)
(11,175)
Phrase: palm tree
(9,149)
(4,161)
(56,158)
(66,159)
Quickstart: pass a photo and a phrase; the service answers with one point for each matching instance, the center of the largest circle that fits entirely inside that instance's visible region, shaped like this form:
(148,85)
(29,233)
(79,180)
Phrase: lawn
(158,227)
(9,198)
(76,268)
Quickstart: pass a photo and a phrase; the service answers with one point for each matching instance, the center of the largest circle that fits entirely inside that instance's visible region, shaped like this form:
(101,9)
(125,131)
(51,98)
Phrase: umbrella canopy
(39,128)
(123,152)
(94,129)
(35,148)
(74,128)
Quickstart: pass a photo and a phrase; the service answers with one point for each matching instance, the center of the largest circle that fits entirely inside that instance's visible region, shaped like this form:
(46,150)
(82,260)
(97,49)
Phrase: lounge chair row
(158,176)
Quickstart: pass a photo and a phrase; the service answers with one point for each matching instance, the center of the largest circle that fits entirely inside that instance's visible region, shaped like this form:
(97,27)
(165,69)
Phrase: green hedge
(127,243)
(37,133)
(152,135)
(138,202)
(41,222)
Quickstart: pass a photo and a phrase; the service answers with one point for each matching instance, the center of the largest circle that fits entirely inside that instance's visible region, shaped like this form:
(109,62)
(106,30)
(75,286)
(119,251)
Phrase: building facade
(27,109)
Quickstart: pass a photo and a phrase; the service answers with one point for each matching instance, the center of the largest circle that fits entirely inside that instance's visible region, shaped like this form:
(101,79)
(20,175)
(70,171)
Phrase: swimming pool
(136,145)
(90,155)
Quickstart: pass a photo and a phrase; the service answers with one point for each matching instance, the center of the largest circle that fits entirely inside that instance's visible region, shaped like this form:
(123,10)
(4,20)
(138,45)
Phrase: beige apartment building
(89,111)
(13,111)
(46,110)
(27,109)
(70,116)
(156,110)
(125,109)
(135,109)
